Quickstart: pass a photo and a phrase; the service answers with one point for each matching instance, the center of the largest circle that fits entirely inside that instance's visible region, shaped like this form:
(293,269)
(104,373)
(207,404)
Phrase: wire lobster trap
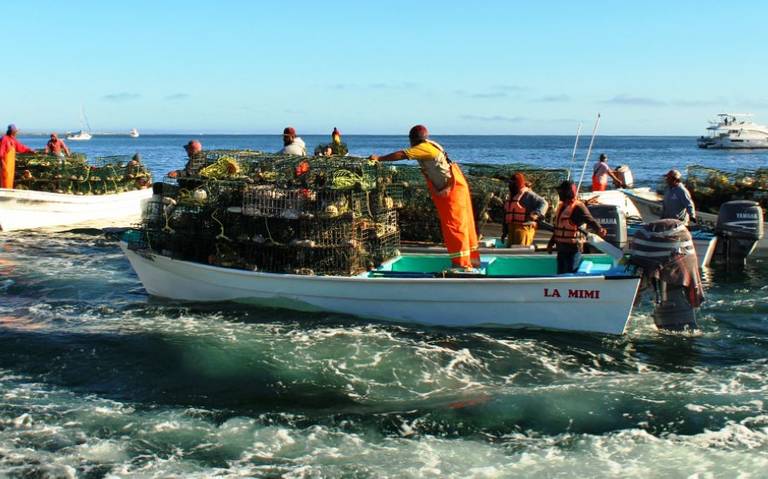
(272,201)
(299,259)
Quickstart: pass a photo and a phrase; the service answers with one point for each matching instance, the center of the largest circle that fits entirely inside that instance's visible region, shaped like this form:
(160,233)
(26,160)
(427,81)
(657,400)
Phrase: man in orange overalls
(9,147)
(450,194)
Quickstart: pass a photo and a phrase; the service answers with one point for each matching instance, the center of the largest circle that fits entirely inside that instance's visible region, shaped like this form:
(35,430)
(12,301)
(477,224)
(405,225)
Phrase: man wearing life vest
(450,194)
(600,174)
(9,147)
(522,209)
(571,215)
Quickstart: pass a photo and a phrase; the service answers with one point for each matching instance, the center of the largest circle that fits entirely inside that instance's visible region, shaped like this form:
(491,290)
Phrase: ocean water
(98,380)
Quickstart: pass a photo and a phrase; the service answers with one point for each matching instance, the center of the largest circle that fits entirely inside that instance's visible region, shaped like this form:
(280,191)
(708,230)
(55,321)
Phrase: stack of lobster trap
(76,175)
(278,214)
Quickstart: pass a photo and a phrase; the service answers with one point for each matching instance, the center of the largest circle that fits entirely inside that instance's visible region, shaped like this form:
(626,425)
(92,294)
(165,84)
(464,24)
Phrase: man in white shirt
(292,144)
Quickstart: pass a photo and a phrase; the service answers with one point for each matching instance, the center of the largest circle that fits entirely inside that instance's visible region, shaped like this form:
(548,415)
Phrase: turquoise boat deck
(496,266)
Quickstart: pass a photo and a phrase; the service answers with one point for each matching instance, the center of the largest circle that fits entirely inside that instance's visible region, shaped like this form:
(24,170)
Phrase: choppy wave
(98,380)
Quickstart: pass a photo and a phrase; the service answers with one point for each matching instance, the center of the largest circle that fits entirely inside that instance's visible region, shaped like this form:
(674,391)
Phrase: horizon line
(111,134)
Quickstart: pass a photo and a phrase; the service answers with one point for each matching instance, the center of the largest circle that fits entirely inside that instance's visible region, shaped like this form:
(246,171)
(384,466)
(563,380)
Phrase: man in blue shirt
(677,203)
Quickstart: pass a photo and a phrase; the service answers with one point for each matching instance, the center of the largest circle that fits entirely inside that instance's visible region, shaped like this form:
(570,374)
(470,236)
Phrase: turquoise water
(99,380)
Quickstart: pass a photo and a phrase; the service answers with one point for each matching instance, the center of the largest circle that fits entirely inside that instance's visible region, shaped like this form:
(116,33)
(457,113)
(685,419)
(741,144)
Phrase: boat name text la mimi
(573,293)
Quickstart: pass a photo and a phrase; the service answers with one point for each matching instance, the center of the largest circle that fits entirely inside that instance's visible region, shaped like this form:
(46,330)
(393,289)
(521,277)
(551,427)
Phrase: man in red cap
(193,148)
(450,194)
(9,147)
(522,209)
(56,146)
(292,144)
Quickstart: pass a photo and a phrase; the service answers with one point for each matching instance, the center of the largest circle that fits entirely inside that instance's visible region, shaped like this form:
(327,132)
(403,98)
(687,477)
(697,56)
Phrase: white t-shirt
(298,147)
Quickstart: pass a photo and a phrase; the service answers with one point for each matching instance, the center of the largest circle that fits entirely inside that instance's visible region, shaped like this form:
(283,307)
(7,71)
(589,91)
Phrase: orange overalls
(457,220)
(9,146)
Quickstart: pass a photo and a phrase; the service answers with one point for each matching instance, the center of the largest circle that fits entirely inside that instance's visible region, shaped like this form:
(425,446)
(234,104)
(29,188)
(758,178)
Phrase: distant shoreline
(143,135)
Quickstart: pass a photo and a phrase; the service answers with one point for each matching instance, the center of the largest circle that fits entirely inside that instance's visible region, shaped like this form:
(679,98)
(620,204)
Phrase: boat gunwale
(43,196)
(150,256)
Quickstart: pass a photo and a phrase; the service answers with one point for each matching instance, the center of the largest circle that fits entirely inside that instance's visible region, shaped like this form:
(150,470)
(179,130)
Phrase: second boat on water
(733,131)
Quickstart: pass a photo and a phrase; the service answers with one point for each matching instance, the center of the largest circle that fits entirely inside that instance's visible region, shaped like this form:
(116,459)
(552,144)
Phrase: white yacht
(734,131)
(134,133)
(79,136)
(85,129)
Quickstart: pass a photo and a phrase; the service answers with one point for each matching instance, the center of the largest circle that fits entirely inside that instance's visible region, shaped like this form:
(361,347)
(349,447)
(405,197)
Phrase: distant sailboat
(134,133)
(83,134)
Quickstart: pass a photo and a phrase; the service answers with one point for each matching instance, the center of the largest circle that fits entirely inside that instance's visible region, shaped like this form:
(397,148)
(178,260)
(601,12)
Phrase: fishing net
(710,187)
(76,175)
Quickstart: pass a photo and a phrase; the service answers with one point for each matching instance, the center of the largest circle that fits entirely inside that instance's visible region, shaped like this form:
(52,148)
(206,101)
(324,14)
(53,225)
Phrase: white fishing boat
(649,204)
(732,131)
(511,291)
(85,129)
(27,209)
(134,133)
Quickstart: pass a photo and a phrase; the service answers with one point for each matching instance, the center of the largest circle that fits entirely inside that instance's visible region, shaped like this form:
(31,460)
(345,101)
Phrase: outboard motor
(663,250)
(614,221)
(625,174)
(739,228)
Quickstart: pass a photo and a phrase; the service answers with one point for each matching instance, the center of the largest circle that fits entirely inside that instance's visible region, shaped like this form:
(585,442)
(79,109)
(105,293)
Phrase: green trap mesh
(75,175)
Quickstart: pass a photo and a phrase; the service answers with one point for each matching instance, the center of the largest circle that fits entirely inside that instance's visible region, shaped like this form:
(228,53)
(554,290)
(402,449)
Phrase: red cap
(289,130)
(518,179)
(336,131)
(418,132)
(193,145)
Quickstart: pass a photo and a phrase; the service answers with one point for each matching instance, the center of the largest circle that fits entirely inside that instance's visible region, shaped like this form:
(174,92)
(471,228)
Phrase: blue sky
(483,67)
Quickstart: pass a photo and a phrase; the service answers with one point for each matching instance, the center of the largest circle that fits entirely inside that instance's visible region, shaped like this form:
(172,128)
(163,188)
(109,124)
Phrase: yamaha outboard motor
(739,228)
(663,250)
(614,221)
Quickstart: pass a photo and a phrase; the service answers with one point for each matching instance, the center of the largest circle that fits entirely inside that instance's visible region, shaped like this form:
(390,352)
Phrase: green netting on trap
(488,188)
(75,175)
(275,213)
(711,187)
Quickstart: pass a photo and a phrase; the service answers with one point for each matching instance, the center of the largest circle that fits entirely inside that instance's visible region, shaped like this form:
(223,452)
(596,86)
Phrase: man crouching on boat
(522,209)
(571,215)
(450,194)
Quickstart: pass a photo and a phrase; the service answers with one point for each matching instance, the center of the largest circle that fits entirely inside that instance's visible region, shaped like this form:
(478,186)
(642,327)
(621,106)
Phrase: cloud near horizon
(177,96)
(121,96)
(553,99)
(633,100)
(494,118)
(374,86)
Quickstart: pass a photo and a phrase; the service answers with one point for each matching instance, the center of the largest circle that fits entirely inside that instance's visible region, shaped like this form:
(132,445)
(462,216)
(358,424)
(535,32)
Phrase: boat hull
(648,208)
(539,302)
(25,209)
(648,204)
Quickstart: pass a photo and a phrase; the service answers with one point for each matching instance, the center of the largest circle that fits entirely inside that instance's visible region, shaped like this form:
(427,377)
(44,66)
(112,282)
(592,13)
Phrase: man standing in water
(677,203)
(9,147)
(450,194)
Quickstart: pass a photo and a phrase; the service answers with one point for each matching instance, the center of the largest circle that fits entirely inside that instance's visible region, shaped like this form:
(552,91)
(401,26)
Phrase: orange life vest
(565,229)
(514,212)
